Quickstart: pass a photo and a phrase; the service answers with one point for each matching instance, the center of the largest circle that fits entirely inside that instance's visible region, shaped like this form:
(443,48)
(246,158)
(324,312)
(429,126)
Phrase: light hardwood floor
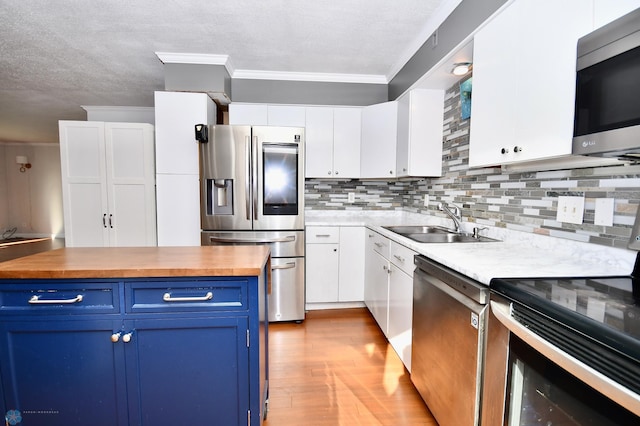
(336,368)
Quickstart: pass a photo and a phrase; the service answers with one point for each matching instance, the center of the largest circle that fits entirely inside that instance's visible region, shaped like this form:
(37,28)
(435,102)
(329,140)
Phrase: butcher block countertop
(139,262)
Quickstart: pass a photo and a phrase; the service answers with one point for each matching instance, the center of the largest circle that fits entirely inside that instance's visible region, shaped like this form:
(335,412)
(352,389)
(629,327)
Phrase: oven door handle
(287,239)
(593,378)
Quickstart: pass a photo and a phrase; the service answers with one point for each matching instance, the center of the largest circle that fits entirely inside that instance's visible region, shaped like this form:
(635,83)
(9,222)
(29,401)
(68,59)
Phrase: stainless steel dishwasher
(449,316)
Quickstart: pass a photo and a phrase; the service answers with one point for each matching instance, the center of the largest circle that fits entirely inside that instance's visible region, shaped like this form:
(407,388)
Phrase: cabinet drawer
(380,243)
(402,257)
(186,296)
(323,234)
(55,297)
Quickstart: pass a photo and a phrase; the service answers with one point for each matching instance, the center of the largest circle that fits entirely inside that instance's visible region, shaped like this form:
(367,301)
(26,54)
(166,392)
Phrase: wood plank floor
(336,368)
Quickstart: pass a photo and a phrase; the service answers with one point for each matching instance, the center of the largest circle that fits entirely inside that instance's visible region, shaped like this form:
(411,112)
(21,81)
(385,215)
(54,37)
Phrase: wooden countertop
(138,262)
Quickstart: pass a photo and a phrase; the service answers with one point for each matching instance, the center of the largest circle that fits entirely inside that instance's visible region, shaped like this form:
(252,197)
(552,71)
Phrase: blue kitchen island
(135,336)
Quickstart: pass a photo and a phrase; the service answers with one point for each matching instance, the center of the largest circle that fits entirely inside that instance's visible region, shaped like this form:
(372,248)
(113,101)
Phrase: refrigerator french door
(252,192)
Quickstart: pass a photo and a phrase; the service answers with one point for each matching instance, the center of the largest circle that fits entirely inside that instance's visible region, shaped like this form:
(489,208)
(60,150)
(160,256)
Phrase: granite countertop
(517,254)
(138,262)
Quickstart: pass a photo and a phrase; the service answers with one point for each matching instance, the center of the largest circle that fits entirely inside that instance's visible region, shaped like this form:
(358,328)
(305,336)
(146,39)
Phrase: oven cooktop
(595,319)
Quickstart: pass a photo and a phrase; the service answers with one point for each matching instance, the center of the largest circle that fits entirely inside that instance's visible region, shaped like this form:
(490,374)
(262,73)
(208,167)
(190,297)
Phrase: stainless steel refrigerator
(252,192)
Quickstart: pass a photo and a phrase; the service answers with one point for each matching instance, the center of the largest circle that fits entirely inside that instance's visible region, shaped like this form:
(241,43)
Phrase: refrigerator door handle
(286,239)
(255,177)
(248,178)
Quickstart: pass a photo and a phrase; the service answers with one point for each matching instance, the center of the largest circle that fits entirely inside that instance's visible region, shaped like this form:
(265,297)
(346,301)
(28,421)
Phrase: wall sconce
(24,163)
(461,68)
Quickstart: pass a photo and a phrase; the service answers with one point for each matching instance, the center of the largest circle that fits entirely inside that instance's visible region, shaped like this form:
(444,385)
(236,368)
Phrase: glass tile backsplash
(523,201)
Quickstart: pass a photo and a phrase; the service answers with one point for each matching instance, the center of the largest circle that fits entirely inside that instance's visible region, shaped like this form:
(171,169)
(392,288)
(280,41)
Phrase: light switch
(426,200)
(570,209)
(351,197)
(604,212)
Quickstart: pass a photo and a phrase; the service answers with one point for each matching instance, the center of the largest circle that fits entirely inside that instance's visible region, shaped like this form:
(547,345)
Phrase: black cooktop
(605,309)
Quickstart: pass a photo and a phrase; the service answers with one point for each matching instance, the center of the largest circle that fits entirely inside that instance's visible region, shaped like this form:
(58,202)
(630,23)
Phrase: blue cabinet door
(62,372)
(188,371)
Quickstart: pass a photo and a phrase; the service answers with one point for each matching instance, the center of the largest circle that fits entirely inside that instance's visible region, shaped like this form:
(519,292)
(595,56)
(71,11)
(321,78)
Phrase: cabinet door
(380,291)
(131,184)
(606,11)
(347,135)
(526,115)
(183,371)
(285,115)
(84,183)
(493,107)
(400,313)
(351,264)
(322,272)
(63,372)
(248,114)
(379,138)
(176,115)
(178,212)
(319,142)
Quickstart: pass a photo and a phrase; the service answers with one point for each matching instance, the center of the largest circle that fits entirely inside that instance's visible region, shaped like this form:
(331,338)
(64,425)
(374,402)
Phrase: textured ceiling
(56,55)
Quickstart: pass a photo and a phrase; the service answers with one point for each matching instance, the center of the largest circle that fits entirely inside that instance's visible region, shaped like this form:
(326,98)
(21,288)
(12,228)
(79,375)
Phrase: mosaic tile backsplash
(523,201)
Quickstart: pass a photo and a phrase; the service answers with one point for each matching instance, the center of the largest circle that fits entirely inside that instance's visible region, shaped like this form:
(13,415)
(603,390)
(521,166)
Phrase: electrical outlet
(570,209)
(604,212)
(351,197)
(426,200)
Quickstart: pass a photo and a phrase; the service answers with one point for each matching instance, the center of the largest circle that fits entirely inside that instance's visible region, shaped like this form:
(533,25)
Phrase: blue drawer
(186,295)
(36,297)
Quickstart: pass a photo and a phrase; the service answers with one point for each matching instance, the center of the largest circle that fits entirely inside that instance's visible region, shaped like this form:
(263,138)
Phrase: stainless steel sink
(436,234)
(406,230)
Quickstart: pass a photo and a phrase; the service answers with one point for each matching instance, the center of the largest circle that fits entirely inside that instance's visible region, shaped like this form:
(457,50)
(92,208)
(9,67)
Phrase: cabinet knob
(390,172)
(127,337)
(517,149)
(336,173)
(329,172)
(504,151)
(115,337)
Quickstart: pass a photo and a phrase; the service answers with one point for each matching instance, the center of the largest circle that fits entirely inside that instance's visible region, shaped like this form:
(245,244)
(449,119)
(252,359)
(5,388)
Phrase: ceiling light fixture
(461,68)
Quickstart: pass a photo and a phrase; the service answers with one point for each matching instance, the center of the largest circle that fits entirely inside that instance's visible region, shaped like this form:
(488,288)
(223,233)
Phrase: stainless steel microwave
(607,105)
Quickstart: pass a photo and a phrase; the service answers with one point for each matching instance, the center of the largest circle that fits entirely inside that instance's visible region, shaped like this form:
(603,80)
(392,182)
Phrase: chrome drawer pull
(400,258)
(323,235)
(288,265)
(35,300)
(378,245)
(287,239)
(167,298)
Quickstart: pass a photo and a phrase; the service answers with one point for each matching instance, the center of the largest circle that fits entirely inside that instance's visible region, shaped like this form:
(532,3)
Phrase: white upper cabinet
(524,81)
(286,115)
(108,184)
(248,114)
(332,142)
(605,11)
(177,113)
(403,137)
(420,128)
(379,140)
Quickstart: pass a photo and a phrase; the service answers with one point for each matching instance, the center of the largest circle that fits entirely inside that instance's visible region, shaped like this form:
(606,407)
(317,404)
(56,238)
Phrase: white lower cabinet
(401,301)
(389,291)
(334,264)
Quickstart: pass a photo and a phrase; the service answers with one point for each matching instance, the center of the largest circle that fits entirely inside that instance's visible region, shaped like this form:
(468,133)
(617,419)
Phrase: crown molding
(310,76)
(196,58)
(209,59)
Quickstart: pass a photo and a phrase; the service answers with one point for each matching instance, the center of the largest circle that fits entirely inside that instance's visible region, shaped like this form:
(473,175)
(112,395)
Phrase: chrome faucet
(453,212)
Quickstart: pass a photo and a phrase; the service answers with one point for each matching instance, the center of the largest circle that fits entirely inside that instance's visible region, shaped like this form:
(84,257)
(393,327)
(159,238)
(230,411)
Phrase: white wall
(31,201)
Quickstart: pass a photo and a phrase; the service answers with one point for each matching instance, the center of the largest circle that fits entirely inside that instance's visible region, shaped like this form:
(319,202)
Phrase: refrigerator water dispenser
(219,196)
